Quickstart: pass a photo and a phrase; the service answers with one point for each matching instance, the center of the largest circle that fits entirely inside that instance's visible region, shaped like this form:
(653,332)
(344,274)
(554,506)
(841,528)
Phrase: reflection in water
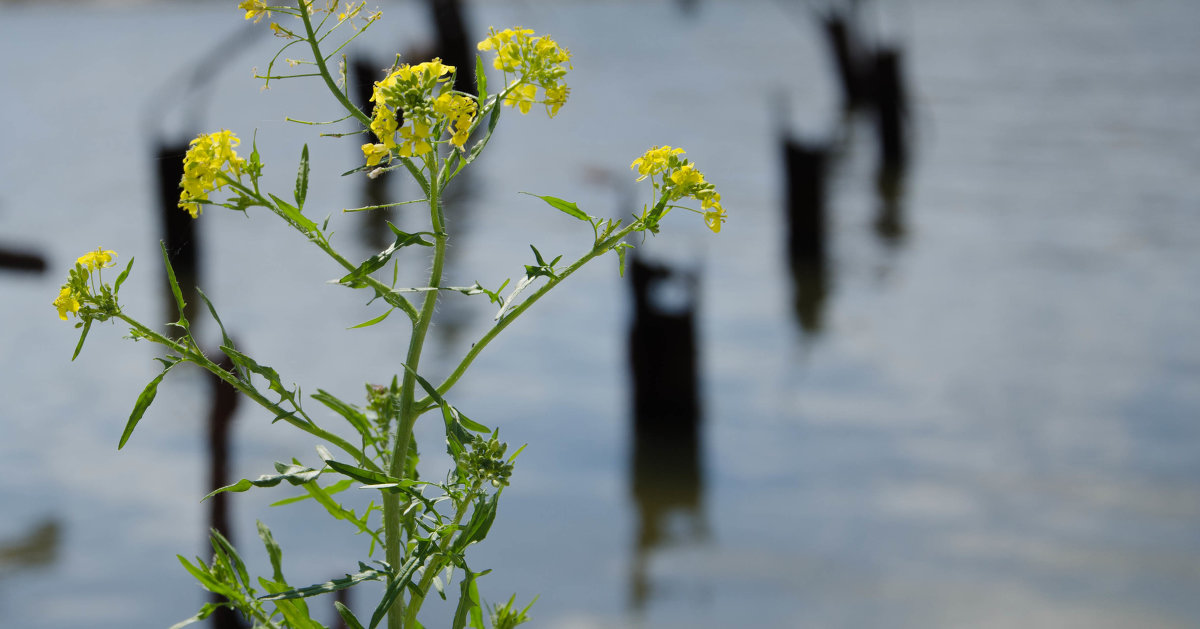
(888,98)
(38,547)
(889,220)
(805,179)
(453,46)
(839,24)
(666,479)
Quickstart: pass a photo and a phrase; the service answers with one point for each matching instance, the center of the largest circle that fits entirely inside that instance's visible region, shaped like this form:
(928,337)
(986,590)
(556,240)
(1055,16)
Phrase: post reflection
(666,477)
(35,548)
(805,219)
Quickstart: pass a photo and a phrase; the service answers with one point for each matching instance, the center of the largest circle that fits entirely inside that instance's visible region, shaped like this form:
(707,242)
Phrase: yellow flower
(714,214)
(687,177)
(432,69)
(521,97)
(66,302)
(654,161)
(374,153)
(539,61)
(556,97)
(383,125)
(460,111)
(96,260)
(416,140)
(255,9)
(208,155)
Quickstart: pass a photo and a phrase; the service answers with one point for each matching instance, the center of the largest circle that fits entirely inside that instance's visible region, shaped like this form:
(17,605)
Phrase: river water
(994,421)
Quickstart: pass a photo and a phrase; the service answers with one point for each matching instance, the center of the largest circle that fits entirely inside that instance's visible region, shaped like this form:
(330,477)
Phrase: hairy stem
(408,417)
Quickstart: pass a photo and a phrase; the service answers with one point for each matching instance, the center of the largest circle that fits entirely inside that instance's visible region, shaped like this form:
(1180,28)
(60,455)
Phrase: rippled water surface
(995,424)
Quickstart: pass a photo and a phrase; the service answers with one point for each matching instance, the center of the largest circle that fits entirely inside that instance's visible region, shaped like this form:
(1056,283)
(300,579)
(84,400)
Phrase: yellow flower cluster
(410,89)
(72,294)
(539,61)
(677,179)
(208,155)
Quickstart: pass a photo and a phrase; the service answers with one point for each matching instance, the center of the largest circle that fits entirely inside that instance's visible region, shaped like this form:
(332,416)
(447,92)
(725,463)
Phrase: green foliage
(424,528)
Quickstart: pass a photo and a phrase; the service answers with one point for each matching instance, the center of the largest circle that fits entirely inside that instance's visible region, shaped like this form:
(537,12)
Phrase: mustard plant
(420,124)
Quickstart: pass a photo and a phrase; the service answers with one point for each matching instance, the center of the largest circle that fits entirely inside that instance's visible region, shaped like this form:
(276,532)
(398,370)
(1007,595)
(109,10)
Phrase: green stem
(399,467)
(311,36)
(318,238)
(437,561)
(597,250)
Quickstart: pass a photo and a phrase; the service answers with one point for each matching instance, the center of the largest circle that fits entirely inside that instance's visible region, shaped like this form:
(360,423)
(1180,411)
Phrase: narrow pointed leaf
(293,474)
(292,215)
(121,278)
(567,207)
(350,413)
(393,590)
(480,80)
(179,302)
(87,325)
(143,402)
(302,179)
(333,585)
(347,616)
(371,322)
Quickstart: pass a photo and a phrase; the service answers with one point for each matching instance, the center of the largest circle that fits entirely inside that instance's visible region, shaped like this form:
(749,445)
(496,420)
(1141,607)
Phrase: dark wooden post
(666,469)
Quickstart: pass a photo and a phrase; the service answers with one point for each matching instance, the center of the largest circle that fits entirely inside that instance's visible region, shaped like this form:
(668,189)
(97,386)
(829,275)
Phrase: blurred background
(940,369)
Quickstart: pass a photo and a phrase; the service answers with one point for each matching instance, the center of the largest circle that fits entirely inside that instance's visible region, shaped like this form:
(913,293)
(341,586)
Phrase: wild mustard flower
(459,112)
(96,260)
(208,155)
(423,93)
(537,60)
(255,9)
(416,140)
(654,161)
(521,97)
(374,153)
(675,179)
(66,302)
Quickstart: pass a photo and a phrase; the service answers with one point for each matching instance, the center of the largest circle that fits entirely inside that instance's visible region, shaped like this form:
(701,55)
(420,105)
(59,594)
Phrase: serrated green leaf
(222,547)
(480,79)
(228,342)
(293,474)
(482,517)
(274,552)
(121,278)
(564,206)
(179,302)
(376,262)
(302,179)
(368,574)
(143,402)
(329,490)
(87,325)
(351,414)
(393,590)
(292,215)
(268,373)
(347,616)
(367,476)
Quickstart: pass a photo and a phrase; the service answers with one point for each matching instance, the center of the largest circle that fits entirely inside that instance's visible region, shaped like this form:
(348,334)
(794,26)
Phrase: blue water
(995,426)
